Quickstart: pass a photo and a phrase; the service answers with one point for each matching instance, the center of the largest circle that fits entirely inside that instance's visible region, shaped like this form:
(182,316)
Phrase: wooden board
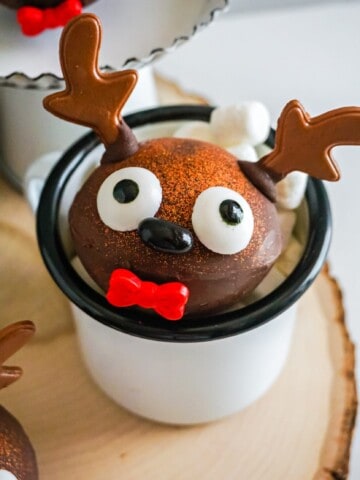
(301,429)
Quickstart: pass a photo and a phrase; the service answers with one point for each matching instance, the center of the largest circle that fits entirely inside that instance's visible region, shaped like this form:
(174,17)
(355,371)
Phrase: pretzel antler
(12,338)
(304,143)
(91,98)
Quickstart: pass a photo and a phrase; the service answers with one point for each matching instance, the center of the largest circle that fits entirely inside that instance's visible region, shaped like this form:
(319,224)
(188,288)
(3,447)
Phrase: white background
(310,53)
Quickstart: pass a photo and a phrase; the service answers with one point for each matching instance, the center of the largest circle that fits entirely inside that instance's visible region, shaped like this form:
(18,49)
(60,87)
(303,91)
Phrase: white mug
(182,372)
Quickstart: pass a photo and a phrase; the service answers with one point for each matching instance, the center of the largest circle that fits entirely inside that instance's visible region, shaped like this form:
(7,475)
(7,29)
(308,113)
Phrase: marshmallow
(272,280)
(290,257)
(197,130)
(290,191)
(287,219)
(244,151)
(80,270)
(247,122)
(262,150)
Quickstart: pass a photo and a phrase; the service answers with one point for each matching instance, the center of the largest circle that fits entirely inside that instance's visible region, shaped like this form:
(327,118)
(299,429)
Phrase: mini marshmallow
(272,280)
(197,130)
(80,270)
(247,122)
(244,151)
(290,191)
(287,219)
(262,150)
(290,257)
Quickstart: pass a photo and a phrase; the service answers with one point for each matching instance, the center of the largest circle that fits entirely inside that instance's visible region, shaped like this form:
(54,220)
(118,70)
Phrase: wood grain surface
(301,429)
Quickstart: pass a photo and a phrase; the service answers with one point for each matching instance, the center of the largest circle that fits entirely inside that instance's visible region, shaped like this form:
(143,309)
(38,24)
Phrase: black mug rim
(147,325)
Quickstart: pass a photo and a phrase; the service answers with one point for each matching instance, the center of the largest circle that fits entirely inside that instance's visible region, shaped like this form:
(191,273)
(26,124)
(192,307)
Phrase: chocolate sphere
(184,169)
(17,455)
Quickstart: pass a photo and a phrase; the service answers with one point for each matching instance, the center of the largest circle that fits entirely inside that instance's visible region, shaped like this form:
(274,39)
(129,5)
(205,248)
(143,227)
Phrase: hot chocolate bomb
(17,456)
(173,245)
(183,213)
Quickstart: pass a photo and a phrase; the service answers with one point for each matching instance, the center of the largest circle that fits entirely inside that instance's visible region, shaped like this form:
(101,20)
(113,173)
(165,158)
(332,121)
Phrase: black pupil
(126,191)
(231,212)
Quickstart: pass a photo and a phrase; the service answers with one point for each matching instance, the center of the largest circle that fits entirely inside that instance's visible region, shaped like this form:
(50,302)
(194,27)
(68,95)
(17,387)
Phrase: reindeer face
(177,210)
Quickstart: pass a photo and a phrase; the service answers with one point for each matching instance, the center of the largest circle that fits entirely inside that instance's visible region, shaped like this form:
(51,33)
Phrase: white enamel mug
(184,372)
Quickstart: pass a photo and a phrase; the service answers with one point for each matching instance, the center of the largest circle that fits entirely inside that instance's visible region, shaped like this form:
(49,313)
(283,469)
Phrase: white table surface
(309,53)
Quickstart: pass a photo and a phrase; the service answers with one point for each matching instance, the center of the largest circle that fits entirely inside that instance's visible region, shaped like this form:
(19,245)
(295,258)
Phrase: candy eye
(128,196)
(222,220)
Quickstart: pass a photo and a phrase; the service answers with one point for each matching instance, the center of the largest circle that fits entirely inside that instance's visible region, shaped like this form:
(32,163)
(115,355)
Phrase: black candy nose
(165,236)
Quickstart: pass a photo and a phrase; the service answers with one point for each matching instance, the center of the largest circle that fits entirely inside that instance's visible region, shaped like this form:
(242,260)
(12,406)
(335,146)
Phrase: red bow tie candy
(35,20)
(168,300)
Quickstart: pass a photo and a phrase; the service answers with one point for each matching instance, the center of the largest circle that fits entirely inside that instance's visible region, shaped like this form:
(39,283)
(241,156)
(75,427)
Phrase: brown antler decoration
(12,338)
(90,98)
(304,143)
